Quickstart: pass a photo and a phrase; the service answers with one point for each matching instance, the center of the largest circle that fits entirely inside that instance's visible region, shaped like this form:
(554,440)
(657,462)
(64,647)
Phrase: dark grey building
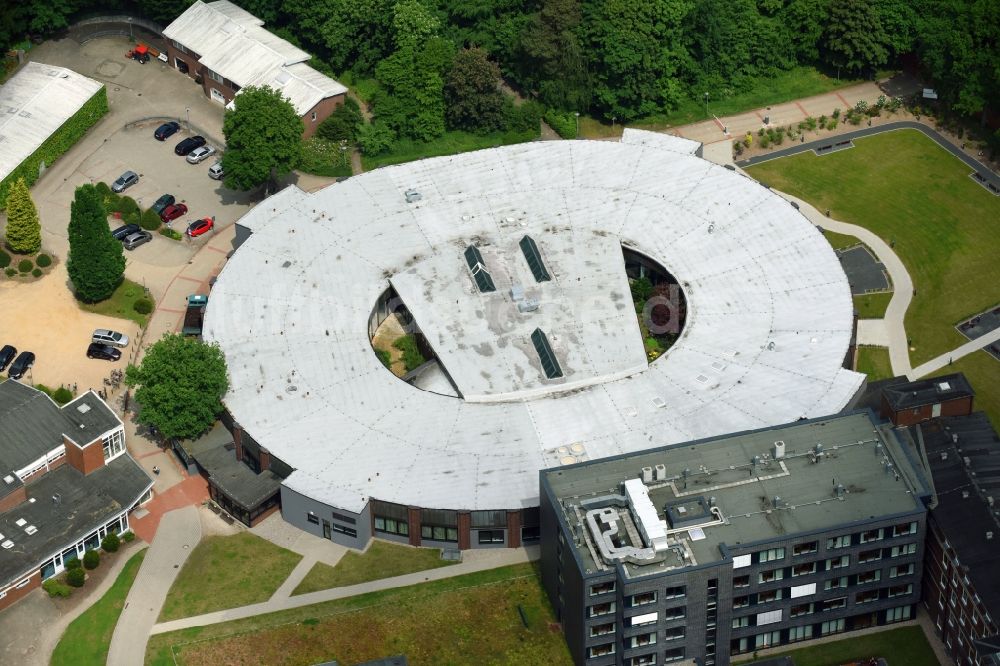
(720,547)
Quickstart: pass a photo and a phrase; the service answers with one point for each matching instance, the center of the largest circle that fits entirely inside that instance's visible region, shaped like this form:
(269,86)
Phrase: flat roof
(769,318)
(34,103)
(767,500)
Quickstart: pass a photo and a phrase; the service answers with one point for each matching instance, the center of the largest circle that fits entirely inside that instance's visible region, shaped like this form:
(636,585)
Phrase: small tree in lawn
(96,260)
(24,232)
(264,132)
(472,97)
(180,384)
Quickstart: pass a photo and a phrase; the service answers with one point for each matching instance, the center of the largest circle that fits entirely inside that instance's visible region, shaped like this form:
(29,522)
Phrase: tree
(376,138)
(472,96)
(24,232)
(96,260)
(855,39)
(551,58)
(180,382)
(343,123)
(264,132)
(349,34)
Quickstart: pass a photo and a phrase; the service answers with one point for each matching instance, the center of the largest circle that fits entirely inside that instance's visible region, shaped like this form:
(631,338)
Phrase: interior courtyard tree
(263,138)
(96,261)
(24,232)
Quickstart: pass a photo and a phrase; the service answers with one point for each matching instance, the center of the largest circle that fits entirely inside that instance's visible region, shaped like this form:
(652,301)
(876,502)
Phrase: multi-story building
(66,482)
(961,576)
(732,544)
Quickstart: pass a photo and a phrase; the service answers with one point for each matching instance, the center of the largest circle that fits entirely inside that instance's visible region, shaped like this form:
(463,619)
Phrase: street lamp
(613,119)
(577,114)
(706,104)
(187,111)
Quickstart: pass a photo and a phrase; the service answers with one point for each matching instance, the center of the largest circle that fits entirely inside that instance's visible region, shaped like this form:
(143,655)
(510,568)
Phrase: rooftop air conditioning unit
(647,474)
(779,450)
(660,473)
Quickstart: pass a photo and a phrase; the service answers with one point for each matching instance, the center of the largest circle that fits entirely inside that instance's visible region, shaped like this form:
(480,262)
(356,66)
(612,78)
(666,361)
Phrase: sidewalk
(964,350)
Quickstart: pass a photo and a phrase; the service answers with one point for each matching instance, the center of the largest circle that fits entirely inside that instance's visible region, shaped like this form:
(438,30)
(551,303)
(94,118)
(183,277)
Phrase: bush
(171,234)
(412,358)
(143,306)
(76,577)
(56,588)
(75,563)
(384,357)
(111,543)
(37,272)
(91,559)
(43,260)
(128,537)
(831,125)
(150,221)
(376,138)
(4,259)
(524,118)
(343,123)
(25,265)
(11,272)
(104,190)
(836,114)
(737,148)
(563,122)
(62,395)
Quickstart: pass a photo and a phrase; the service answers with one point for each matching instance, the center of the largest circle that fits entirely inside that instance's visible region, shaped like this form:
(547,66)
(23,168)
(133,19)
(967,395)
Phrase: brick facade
(464,525)
(513,529)
(14,594)
(10,501)
(87,458)
(905,417)
(413,517)
(322,111)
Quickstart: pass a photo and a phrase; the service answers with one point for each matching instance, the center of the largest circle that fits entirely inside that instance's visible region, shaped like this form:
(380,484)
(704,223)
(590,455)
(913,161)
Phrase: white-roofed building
(227,49)
(455,460)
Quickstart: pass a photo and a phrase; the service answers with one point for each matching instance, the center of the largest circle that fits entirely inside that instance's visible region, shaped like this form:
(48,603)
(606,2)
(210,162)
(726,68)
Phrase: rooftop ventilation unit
(482,276)
(8,479)
(660,473)
(30,529)
(534,259)
(550,365)
(779,450)
(7,545)
(83,408)
(412,196)
(20,522)
(647,474)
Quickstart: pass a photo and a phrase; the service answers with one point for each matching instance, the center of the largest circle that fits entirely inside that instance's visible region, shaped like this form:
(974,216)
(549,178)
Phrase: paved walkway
(964,350)
(179,532)
(477,560)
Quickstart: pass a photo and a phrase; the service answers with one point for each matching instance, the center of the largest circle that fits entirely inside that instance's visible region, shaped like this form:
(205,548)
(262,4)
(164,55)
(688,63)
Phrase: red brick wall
(265,460)
(464,525)
(906,417)
(514,529)
(13,594)
(414,520)
(209,83)
(87,459)
(190,58)
(322,110)
(276,507)
(13,499)
(238,441)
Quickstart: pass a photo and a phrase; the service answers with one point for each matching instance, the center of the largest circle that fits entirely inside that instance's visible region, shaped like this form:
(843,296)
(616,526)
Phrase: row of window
(795,634)
(639,598)
(401,527)
(769,596)
(840,562)
(800,610)
(605,649)
(833,543)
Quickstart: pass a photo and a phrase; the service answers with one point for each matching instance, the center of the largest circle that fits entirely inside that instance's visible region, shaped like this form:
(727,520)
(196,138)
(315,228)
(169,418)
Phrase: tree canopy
(472,93)
(96,261)
(263,133)
(24,232)
(179,386)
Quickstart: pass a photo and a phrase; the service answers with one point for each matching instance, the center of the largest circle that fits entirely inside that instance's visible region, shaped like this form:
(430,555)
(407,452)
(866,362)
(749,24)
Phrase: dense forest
(622,59)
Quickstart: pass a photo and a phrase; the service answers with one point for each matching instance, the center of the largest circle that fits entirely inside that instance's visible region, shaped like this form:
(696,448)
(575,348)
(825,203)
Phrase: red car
(199,227)
(173,211)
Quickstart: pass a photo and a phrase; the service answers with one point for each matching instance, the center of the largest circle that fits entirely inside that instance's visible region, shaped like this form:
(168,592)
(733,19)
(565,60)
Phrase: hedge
(564,123)
(58,143)
(56,588)
(4,259)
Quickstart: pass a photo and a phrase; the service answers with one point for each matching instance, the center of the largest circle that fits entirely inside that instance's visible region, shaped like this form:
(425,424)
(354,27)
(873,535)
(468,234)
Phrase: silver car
(136,239)
(126,180)
(104,336)
(199,154)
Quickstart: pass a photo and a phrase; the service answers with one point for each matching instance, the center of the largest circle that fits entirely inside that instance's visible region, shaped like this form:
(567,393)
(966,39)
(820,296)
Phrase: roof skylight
(482,276)
(534,259)
(550,365)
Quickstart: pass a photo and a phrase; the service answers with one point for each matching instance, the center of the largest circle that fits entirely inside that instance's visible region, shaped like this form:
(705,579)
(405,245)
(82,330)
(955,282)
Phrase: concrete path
(943,360)
(873,332)
(179,532)
(481,561)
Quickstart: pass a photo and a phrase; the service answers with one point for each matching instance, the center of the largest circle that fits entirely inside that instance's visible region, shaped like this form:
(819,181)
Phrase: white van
(215,171)
(106,337)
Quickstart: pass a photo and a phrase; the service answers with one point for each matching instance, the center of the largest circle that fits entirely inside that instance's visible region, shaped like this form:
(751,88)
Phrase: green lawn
(470,619)
(983,372)
(872,306)
(120,303)
(226,572)
(906,645)
(874,362)
(381,560)
(840,241)
(88,638)
(405,150)
(944,226)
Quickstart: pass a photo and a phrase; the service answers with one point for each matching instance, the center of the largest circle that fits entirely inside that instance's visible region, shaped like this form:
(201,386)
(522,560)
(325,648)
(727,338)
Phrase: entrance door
(217,96)
(326,530)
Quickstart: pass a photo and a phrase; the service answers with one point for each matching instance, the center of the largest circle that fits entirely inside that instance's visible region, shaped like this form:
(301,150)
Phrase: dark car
(173,211)
(162,203)
(189,144)
(106,352)
(7,354)
(199,227)
(166,130)
(125,230)
(21,364)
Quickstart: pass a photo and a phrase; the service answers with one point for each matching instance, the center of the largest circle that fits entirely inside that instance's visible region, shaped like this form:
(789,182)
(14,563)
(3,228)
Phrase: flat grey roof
(854,449)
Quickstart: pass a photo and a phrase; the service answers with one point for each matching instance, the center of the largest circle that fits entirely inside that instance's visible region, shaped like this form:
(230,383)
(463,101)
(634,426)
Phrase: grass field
(120,304)
(840,241)
(226,572)
(944,227)
(906,645)
(88,638)
(874,362)
(872,306)
(381,560)
(470,619)
(405,150)
(983,372)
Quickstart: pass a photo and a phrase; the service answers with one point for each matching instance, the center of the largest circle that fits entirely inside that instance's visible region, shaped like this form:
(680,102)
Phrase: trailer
(194,316)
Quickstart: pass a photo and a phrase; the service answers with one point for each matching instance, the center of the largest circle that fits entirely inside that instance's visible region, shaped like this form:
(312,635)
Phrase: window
(391,518)
(643,660)
(531,534)
(491,536)
(601,609)
(866,597)
(643,599)
(767,639)
(843,541)
(831,627)
(312,518)
(392,526)
(800,633)
(768,596)
(177,45)
(771,555)
(834,604)
(674,613)
(904,528)
(602,629)
(900,590)
(345,519)
(214,76)
(805,548)
(602,588)
(601,650)
(313,116)
(349,531)
(673,634)
(871,535)
(770,576)
(838,562)
(869,555)
(439,525)
(639,620)
(741,581)
(740,561)
(674,592)
(869,577)
(740,622)
(114,445)
(797,591)
(901,570)
(768,617)
(801,609)
(898,614)
(835,583)
(905,549)
(673,654)
(642,640)
(741,602)
(804,569)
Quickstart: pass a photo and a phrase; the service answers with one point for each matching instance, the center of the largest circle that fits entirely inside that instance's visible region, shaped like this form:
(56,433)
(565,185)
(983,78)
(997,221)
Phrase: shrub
(4,259)
(342,124)
(171,234)
(831,125)
(143,306)
(563,122)
(91,559)
(765,142)
(375,138)
(62,395)
(128,537)
(76,577)
(412,358)
(37,272)
(11,272)
(524,118)
(760,132)
(835,114)
(111,543)
(384,357)
(75,563)
(43,260)
(56,588)
(149,220)
(737,148)
(25,265)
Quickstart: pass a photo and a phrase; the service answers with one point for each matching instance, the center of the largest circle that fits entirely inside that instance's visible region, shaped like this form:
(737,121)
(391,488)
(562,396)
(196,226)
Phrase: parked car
(125,230)
(25,360)
(7,354)
(104,336)
(125,181)
(107,352)
(189,144)
(199,154)
(135,240)
(162,203)
(166,130)
(198,227)
(215,171)
(173,211)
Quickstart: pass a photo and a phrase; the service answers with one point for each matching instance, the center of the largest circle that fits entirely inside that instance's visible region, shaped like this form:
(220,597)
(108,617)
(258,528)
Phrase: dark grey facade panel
(299,510)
